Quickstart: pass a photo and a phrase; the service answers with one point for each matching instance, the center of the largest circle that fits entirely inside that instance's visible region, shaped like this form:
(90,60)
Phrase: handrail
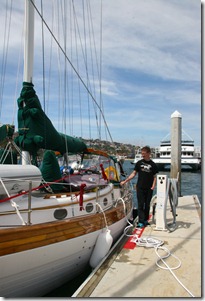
(29,209)
(13,204)
(29,203)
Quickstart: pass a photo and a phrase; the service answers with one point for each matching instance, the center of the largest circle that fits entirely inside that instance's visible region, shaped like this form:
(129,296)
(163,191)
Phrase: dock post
(176,119)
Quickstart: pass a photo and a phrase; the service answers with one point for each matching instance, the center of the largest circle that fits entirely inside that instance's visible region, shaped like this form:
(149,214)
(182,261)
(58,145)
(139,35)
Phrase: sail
(37,131)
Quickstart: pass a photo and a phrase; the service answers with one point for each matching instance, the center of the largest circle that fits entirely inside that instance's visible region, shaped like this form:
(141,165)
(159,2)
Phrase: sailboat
(54,220)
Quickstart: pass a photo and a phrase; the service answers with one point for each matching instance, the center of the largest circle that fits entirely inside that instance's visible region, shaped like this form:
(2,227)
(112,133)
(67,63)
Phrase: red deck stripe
(130,244)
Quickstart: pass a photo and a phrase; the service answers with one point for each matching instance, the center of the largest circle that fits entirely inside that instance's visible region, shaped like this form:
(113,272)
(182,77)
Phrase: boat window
(60,213)
(105,201)
(89,207)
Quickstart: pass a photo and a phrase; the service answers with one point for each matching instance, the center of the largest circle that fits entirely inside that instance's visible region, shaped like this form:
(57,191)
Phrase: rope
(151,242)
(168,267)
(13,204)
(103,214)
(148,242)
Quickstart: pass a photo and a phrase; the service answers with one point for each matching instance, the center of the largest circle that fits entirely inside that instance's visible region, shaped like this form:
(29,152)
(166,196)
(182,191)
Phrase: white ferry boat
(190,158)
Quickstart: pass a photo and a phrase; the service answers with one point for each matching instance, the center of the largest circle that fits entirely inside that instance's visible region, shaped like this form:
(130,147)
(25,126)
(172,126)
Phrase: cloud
(155,37)
(148,67)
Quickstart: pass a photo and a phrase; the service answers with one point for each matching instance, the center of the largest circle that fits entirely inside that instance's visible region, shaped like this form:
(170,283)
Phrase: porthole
(105,201)
(89,207)
(60,213)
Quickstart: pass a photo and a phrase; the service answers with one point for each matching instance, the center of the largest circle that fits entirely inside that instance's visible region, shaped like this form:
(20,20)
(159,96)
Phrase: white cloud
(150,64)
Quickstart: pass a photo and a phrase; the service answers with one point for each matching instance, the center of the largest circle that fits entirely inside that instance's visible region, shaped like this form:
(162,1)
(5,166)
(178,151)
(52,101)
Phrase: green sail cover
(37,131)
(50,170)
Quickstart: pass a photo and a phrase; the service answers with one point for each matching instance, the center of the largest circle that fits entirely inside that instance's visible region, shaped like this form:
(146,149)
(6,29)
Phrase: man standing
(146,182)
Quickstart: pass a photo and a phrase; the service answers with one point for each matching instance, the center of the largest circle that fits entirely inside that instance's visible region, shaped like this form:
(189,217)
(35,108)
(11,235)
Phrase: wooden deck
(131,271)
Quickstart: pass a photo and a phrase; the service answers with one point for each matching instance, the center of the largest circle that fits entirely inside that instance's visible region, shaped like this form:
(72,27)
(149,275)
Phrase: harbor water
(190,185)
(190,180)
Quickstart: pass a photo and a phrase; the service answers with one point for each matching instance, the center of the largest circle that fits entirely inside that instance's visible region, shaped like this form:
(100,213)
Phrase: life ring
(111,173)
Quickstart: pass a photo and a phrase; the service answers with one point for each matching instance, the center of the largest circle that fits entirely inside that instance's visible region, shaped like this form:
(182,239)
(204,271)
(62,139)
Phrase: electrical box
(161,202)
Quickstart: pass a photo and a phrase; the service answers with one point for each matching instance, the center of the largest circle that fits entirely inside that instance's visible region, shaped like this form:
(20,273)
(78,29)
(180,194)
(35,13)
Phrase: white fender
(102,246)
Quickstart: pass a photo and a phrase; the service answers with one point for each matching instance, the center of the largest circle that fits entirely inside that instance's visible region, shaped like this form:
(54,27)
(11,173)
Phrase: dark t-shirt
(146,171)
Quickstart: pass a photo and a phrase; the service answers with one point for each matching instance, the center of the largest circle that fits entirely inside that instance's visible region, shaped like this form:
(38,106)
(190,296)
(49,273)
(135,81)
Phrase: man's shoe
(146,223)
(140,225)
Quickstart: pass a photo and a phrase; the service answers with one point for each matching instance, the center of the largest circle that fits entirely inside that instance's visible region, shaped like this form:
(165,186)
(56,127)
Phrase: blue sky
(151,67)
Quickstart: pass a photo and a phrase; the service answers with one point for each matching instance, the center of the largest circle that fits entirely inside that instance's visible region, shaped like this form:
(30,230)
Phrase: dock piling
(176,129)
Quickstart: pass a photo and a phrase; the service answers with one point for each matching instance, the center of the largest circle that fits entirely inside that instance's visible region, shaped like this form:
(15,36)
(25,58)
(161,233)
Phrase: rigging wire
(77,62)
(18,76)
(59,66)
(75,70)
(84,53)
(64,22)
(43,54)
(65,66)
(86,67)
(71,99)
(50,63)
(100,81)
(85,56)
(90,29)
(43,67)
(5,49)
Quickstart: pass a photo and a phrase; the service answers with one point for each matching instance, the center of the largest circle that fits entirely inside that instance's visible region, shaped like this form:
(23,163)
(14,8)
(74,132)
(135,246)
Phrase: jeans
(144,197)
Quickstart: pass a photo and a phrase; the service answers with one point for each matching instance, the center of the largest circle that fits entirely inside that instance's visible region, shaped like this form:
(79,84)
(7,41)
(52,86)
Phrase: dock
(130,270)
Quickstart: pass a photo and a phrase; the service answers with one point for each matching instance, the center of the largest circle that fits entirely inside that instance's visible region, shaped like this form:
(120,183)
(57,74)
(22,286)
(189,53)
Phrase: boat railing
(69,199)
(184,142)
(11,197)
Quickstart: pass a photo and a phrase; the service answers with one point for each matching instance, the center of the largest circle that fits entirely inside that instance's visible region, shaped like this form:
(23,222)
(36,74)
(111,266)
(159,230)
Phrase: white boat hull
(45,268)
(186,163)
(40,253)
(189,158)
(35,272)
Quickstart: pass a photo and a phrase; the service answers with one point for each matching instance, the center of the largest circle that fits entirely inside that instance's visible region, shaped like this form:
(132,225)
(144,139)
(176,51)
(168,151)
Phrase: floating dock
(130,270)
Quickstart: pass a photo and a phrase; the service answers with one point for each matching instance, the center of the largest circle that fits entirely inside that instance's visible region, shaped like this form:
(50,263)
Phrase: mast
(28,54)
(29,41)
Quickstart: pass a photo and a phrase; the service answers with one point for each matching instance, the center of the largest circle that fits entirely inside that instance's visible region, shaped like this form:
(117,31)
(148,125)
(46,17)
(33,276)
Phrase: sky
(149,56)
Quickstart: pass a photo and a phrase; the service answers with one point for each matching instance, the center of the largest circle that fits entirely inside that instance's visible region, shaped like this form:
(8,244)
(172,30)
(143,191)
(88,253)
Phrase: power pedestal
(161,202)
